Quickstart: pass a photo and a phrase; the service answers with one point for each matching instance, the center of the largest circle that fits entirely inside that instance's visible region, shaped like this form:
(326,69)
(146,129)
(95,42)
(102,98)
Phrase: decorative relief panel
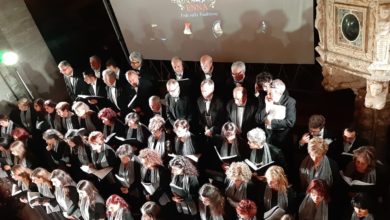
(355,39)
(350,27)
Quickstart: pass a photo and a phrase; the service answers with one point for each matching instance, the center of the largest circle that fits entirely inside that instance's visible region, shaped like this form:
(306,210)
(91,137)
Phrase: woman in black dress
(92,205)
(184,186)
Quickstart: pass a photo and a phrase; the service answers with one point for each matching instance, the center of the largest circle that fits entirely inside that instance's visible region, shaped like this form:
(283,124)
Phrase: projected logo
(190,6)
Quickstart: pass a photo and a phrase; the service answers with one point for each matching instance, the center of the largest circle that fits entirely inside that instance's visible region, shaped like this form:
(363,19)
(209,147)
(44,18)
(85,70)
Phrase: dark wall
(75,30)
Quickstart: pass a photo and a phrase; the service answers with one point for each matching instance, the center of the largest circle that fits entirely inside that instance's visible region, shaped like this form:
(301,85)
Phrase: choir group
(211,146)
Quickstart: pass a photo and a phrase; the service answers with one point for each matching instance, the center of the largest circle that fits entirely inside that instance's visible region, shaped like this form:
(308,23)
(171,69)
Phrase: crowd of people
(208,146)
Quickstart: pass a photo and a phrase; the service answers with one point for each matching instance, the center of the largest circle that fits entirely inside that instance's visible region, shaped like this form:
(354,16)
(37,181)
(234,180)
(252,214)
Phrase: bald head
(132,77)
(177,65)
(240,95)
(206,63)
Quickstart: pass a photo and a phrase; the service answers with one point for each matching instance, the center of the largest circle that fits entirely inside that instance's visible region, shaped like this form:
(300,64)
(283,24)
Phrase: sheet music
(102,172)
(224,158)
(278,112)
(256,167)
(351,182)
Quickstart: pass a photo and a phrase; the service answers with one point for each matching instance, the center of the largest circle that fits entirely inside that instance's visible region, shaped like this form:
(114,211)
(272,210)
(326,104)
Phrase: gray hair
(278,86)
(95,57)
(64,63)
(136,55)
(150,208)
(229,128)
(109,73)
(156,123)
(154,98)
(131,72)
(181,123)
(256,135)
(240,65)
(124,150)
(176,58)
(79,105)
(207,82)
(132,116)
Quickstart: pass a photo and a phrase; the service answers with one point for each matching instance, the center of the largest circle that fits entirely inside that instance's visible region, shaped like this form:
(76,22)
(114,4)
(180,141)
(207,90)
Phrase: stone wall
(19,33)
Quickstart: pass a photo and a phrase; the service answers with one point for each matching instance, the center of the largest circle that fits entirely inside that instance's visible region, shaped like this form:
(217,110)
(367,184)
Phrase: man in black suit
(349,142)
(210,71)
(184,78)
(263,82)
(238,78)
(178,106)
(156,107)
(116,92)
(241,110)
(140,90)
(95,86)
(211,110)
(137,63)
(316,129)
(113,66)
(278,115)
(96,65)
(74,83)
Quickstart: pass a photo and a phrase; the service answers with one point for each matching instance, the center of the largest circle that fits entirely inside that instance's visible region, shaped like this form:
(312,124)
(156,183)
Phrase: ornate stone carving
(362,49)
(376,94)
(335,79)
(359,61)
(319,22)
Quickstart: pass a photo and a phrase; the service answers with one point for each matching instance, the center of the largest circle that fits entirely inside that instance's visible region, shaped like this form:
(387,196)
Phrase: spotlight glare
(10,58)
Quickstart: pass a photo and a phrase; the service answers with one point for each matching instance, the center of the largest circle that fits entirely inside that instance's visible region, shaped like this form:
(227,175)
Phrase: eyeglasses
(236,73)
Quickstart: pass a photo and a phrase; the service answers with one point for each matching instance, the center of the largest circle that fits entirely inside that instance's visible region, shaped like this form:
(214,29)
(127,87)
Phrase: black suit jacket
(187,85)
(100,89)
(77,88)
(327,135)
(145,90)
(248,120)
(336,148)
(122,97)
(146,72)
(178,110)
(247,83)
(219,78)
(280,129)
(216,112)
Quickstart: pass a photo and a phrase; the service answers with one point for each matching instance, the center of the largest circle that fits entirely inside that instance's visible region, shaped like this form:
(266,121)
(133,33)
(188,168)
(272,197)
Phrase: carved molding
(336,78)
(348,61)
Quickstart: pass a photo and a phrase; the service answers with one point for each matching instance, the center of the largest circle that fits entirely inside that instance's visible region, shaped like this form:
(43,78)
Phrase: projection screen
(254,31)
